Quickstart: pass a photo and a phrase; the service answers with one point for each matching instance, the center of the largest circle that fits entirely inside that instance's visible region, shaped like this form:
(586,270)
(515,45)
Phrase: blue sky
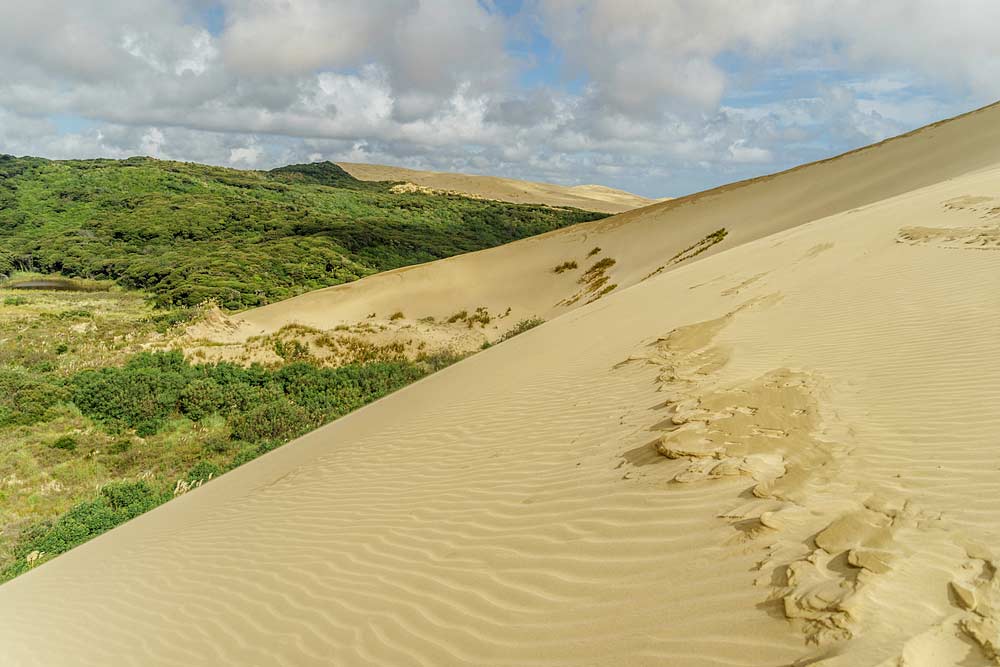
(660,97)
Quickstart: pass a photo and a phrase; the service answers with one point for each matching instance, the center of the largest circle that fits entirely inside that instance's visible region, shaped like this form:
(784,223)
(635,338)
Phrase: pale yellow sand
(587,197)
(784,453)
(519,276)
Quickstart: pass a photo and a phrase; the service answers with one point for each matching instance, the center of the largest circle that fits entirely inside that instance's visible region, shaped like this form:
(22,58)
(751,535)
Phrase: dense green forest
(186,232)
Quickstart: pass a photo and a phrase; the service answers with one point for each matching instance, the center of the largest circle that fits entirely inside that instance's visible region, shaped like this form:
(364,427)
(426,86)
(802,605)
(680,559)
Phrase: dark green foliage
(189,232)
(263,409)
(203,471)
(140,395)
(66,442)
(320,173)
(26,397)
(279,419)
(6,259)
(117,503)
(201,398)
(260,404)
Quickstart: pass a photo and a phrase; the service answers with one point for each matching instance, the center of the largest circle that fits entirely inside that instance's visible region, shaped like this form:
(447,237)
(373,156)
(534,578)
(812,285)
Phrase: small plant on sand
(593,280)
(597,269)
(565,266)
(594,251)
(66,442)
(460,316)
(481,317)
(398,315)
(521,327)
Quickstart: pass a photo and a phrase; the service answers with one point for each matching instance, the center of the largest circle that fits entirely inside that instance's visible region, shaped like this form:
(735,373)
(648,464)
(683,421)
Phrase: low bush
(66,442)
(521,327)
(117,503)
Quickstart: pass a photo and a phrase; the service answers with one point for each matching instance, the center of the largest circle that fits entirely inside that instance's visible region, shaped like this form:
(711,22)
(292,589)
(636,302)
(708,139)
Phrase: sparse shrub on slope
(521,327)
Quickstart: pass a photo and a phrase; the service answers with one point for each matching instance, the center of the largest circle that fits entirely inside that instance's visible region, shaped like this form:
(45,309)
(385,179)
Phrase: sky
(658,97)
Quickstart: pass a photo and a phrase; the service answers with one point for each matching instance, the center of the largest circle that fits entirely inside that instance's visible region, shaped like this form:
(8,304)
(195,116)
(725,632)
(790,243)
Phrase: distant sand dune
(588,197)
(783,452)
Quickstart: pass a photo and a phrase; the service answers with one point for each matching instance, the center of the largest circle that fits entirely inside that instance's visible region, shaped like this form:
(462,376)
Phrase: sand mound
(546,276)
(780,454)
(587,197)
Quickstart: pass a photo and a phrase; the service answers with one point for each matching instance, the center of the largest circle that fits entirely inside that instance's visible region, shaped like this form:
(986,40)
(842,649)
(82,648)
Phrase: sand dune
(588,197)
(518,279)
(781,453)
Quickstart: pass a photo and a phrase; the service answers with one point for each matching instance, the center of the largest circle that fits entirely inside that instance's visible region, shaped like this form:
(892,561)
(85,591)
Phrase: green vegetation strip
(187,232)
(141,410)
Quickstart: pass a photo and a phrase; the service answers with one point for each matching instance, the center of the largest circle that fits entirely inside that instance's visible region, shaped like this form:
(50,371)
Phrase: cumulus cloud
(659,96)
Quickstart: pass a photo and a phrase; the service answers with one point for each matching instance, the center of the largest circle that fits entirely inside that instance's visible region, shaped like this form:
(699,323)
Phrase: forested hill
(188,232)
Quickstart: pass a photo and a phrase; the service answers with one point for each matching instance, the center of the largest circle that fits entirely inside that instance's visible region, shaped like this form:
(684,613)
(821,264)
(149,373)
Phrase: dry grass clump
(481,317)
(692,251)
(594,281)
(565,266)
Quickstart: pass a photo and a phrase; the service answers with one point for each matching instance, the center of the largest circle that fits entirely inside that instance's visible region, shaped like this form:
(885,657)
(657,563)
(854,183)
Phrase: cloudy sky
(660,97)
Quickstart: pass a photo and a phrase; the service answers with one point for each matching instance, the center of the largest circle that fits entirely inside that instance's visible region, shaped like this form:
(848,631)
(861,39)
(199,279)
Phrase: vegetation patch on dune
(187,232)
(98,426)
(594,280)
(692,251)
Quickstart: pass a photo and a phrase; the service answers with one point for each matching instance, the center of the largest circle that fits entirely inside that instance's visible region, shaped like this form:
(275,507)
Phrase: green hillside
(186,232)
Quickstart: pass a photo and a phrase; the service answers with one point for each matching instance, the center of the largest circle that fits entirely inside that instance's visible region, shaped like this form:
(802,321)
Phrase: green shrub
(203,471)
(276,420)
(16,300)
(66,442)
(26,397)
(200,398)
(117,503)
(140,398)
(521,327)
(292,350)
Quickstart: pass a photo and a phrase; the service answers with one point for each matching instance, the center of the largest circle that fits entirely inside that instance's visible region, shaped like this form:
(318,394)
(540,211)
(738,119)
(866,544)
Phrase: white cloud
(694,91)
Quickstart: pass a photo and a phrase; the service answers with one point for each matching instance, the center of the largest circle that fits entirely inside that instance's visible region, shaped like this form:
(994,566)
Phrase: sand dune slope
(588,197)
(781,454)
(519,278)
